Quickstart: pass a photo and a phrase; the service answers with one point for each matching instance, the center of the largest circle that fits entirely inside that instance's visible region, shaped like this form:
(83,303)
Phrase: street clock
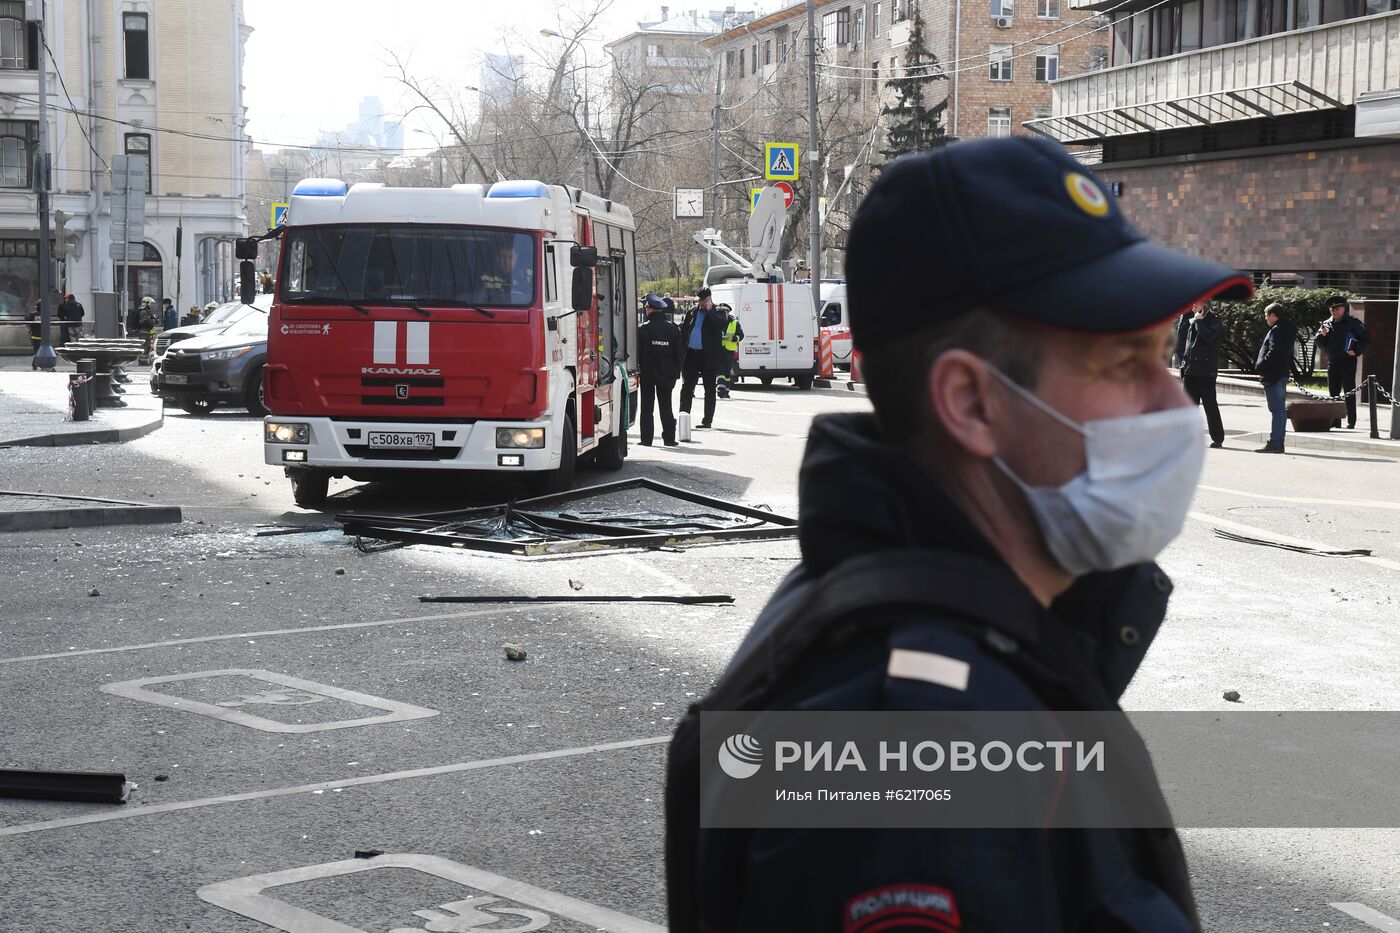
(689,203)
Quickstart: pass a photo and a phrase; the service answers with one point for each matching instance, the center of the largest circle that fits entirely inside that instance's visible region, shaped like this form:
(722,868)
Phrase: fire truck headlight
(279,433)
(529,438)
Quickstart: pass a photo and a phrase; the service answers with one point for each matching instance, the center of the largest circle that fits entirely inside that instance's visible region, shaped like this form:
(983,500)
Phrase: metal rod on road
(813,201)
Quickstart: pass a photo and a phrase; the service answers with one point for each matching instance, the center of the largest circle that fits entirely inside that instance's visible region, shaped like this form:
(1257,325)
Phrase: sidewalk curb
(823,382)
(121,512)
(1320,441)
(98,436)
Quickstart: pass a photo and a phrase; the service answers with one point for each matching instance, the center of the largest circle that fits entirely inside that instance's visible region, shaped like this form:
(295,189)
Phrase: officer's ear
(963,401)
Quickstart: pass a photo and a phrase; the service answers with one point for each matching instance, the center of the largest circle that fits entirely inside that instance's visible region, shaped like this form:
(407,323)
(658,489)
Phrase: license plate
(178,380)
(756,348)
(394,440)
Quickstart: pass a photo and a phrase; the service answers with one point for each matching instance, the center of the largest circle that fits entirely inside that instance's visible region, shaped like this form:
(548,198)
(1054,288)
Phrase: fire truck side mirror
(247,282)
(245,247)
(583,256)
(583,289)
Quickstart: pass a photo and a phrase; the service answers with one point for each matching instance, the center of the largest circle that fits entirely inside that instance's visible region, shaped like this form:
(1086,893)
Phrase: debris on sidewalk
(514,652)
(93,592)
(1287,546)
(575,584)
(1232,695)
(368,853)
(632,513)
(83,786)
(721,600)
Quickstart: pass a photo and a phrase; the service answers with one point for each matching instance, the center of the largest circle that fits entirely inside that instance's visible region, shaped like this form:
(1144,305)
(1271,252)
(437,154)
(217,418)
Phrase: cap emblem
(1086,195)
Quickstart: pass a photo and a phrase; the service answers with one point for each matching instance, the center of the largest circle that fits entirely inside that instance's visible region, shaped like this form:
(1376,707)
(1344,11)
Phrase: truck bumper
(342,447)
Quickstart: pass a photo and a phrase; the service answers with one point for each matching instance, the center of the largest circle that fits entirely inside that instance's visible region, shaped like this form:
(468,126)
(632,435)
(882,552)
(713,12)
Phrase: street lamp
(588,155)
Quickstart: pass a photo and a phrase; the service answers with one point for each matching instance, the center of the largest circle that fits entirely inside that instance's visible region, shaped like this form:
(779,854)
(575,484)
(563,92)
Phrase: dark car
(219,318)
(224,368)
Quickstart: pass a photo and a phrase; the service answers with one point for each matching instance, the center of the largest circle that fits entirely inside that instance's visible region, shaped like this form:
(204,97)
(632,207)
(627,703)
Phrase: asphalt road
(509,794)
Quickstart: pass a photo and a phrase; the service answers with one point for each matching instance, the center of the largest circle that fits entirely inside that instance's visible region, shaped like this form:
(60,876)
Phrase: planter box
(1315,416)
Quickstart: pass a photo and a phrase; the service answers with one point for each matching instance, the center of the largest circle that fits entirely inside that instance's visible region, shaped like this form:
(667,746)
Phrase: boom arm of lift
(758,268)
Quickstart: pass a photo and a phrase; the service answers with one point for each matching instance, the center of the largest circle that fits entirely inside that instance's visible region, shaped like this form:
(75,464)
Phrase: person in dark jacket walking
(1024,465)
(1274,364)
(660,351)
(703,333)
(71,313)
(1346,339)
(1200,365)
(36,335)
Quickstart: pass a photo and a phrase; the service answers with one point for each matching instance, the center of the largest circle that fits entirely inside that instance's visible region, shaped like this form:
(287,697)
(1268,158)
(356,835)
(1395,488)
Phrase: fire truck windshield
(416,264)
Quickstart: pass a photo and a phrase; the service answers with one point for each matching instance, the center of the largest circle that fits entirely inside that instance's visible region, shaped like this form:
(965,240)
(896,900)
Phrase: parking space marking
(129,812)
(1372,918)
(245,896)
(1286,539)
(656,573)
(1306,500)
(267,633)
(294,692)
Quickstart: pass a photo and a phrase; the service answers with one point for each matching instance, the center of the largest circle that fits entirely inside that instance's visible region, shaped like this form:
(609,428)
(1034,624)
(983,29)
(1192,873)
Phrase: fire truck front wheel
(548,482)
(612,451)
(309,487)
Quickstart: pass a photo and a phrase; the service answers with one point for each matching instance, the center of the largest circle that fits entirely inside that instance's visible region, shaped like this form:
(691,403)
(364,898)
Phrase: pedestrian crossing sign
(780,161)
(279,213)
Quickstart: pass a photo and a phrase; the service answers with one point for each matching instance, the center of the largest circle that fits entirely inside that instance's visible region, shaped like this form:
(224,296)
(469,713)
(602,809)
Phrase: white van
(835,321)
(780,329)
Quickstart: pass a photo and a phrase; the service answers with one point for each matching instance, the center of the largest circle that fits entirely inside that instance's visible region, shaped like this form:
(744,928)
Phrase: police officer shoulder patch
(902,906)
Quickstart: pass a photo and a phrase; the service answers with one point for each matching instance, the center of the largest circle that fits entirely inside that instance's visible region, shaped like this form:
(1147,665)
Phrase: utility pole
(714,157)
(813,198)
(44,356)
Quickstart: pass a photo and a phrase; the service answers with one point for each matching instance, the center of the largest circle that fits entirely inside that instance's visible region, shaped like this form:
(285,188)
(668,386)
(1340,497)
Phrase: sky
(310,62)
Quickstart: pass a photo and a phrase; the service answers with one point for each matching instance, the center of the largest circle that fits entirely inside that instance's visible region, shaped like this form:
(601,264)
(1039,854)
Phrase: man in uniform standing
(660,351)
(1028,457)
(703,335)
(1346,339)
(732,334)
(1200,366)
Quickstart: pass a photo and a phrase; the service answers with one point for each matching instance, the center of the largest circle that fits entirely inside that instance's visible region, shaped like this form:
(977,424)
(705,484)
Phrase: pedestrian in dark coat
(36,335)
(1273,365)
(1183,329)
(1200,365)
(703,333)
(1345,338)
(70,312)
(660,351)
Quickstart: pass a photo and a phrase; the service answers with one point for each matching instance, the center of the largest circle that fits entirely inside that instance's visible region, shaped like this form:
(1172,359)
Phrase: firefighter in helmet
(148,324)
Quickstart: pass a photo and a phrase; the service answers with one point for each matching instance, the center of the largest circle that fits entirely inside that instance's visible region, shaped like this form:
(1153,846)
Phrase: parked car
(222,368)
(221,317)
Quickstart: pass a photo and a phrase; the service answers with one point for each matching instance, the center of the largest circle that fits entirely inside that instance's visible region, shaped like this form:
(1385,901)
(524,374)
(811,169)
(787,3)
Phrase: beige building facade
(161,78)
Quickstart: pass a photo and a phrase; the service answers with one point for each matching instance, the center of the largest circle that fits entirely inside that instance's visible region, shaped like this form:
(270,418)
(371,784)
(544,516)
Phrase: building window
(741,62)
(753,62)
(843,26)
(19,141)
(897,11)
(875,78)
(1047,62)
(1002,8)
(767,51)
(875,21)
(1001,62)
(858,29)
(999,122)
(1042,113)
(782,41)
(19,40)
(1047,9)
(138,45)
(1098,57)
(653,50)
(140,144)
(729,59)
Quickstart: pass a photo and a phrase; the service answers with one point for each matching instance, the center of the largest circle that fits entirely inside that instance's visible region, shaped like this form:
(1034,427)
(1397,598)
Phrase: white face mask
(1133,496)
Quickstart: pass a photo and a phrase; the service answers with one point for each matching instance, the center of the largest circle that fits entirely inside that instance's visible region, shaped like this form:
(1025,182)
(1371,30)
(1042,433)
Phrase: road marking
(642,566)
(1306,500)
(266,633)
(244,896)
(130,812)
(312,692)
(1372,918)
(1287,539)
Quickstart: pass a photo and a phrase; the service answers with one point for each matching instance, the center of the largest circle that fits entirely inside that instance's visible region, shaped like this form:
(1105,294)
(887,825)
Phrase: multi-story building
(156,78)
(999,58)
(1261,132)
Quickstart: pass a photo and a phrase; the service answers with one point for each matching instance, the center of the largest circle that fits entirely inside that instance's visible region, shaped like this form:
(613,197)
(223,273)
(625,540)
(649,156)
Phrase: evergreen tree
(913,125)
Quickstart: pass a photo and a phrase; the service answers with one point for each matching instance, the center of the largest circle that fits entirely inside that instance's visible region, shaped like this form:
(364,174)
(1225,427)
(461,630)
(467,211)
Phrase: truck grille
(437,453)
(181,363)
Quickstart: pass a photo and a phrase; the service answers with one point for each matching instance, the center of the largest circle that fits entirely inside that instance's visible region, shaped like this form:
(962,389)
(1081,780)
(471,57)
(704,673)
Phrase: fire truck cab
(474,328)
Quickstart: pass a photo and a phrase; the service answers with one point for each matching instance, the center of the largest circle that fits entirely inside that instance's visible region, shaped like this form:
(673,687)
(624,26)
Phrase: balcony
(1320,68)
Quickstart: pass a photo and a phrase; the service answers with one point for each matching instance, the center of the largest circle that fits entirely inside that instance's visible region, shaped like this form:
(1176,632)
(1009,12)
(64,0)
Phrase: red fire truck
(480,328)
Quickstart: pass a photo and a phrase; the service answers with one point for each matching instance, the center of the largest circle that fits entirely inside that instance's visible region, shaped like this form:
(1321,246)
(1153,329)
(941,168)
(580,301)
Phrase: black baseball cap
(1336,300)
(1017,226)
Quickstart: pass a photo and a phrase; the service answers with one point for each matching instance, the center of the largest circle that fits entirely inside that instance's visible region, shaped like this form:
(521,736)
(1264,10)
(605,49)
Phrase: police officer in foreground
(1345,338)
(1028,448)
(659,356)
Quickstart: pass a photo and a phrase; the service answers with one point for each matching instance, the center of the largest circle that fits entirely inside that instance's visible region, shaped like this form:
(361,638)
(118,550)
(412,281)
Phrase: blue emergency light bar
(320,188)
(518,189)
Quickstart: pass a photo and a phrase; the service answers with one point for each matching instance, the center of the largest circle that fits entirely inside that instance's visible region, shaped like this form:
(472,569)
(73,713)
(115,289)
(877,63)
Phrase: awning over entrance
(1250,103)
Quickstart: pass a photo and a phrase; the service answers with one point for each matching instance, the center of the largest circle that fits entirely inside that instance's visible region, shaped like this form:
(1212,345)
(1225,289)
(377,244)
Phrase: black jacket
(660,348)
(712,324)
(858,497)
(1276,352)
(1343,329)
(1183,328)
(1202,356)
(70,310)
